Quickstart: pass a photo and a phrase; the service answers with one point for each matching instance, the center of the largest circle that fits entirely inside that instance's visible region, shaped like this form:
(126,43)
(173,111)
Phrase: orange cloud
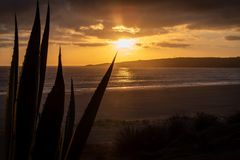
(122,28)
(95,27)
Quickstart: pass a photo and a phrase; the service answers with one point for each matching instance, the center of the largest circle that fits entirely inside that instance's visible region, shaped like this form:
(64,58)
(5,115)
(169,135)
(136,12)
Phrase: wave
(196,84)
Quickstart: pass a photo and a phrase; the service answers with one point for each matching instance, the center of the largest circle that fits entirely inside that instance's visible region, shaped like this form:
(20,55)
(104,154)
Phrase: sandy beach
(155,103)
(158,103)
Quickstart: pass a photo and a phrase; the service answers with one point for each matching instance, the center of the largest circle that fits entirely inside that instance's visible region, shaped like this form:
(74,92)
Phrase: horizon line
(104,63)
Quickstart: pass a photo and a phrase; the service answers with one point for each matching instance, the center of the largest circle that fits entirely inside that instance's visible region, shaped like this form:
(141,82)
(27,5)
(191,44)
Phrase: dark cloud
(4,39)
(80,44)
(150,16)
(158,13)
(232,38)
(178,39)
(172,45)
(91,44)
(6,44)
(163,44)
(10,44)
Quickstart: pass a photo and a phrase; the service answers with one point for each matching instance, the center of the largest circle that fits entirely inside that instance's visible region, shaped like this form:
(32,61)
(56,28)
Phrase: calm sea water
(87,78)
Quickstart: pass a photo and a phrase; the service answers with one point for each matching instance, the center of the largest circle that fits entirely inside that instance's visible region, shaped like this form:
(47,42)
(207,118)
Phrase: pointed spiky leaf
(27,94)
(59,149)
(43,58)
(12,92)
(69,122)
(84,127)
(49,127)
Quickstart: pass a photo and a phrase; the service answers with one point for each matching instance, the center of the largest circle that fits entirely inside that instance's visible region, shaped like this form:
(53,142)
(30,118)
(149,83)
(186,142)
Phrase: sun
(125,43)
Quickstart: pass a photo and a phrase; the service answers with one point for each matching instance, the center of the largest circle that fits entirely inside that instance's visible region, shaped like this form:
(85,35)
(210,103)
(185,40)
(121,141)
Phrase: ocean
(87,78)
(143,94)
(131,90)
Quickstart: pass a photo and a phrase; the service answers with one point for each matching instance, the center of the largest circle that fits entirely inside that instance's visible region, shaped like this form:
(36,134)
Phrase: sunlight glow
(125,43)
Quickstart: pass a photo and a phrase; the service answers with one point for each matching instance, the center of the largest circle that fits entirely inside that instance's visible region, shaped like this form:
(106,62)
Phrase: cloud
(90,44)
(68,31)
(232,38)
(98,26)
(8,44)
(143,45)
(79,19)
(199,14)
(122,28)
(80,44)
(95,27)
(147,13)
(163,44)
(172,45)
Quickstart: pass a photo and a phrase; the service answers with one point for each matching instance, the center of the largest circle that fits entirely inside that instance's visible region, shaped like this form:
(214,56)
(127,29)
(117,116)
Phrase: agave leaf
(27,94)
(49,127)
(84,127)
(43,57)
(12,92)
(59,149)
(69,122)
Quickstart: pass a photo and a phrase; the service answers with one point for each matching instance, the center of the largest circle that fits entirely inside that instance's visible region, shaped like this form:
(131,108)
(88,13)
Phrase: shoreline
(167,100)
(137,88)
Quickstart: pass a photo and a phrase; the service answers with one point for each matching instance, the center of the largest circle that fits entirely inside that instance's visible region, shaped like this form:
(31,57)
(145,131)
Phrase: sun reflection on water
(124,75)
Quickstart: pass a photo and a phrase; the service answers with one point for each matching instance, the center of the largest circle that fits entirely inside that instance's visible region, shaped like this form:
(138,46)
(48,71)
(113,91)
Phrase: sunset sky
(91,31)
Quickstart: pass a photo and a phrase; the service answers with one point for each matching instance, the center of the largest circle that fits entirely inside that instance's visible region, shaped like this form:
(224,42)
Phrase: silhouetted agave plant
(43,57)
(25,138)
(84,127)
(69,126)
(49,126)
(27,94)
(12,92)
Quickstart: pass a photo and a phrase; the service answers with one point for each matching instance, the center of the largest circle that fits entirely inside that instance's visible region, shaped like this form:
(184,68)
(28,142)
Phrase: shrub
(234,118)
(203,121)
(177,135)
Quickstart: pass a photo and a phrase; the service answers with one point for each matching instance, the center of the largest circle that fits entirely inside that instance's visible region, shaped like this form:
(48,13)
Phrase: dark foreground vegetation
(32,134)
(199,137)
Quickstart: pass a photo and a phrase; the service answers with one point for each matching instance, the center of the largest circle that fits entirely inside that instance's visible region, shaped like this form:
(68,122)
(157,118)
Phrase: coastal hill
(231,62)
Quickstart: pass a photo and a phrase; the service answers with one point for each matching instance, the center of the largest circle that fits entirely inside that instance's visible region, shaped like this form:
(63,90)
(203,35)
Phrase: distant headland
(210,62)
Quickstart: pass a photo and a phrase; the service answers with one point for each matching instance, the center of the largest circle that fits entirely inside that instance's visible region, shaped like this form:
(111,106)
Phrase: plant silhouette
(33,137)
